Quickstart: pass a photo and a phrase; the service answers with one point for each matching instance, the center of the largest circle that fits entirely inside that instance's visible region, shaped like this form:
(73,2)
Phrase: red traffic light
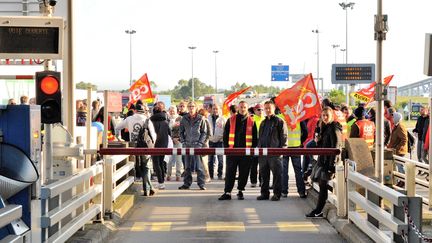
(49,85)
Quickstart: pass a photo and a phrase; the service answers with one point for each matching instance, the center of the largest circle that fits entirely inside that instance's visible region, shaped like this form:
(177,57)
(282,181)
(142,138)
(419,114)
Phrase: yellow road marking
(152,226)
(254,221)
(250,210)
(297,226)
(225,226)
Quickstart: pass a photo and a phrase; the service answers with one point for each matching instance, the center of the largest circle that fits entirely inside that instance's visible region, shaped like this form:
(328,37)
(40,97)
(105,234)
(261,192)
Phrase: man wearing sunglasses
(258,117)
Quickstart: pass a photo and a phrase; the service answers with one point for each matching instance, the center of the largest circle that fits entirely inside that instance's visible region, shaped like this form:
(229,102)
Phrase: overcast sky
(250,36)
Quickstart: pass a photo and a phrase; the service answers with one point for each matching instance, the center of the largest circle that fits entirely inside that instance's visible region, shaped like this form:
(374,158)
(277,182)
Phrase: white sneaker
(162,186)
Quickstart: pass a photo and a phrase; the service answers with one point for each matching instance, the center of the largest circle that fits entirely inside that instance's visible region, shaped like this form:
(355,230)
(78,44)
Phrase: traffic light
(48,96)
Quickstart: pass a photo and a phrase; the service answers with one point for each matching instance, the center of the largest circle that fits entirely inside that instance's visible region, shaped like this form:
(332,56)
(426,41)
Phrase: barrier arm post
(410,179)
(341,191)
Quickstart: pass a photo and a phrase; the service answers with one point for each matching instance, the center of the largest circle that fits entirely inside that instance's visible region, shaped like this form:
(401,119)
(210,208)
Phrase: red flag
(367,94)
(299,102)
(141,90)
(227,103)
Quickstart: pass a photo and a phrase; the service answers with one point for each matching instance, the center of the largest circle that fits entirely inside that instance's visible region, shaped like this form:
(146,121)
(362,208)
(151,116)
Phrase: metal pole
(193,85)
(130,60)
(380,33)
(316,31)
(216,89)
(346,51)
(105,121)
(430,144)
(130,33)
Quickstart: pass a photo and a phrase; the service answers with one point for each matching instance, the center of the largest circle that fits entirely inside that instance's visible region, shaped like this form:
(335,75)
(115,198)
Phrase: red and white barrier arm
(220,151)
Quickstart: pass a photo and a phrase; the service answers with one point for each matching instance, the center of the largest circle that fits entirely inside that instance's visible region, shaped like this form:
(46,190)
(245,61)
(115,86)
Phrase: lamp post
(335,51)
(130,33)
(216,52)
(345,87)
(316,31)
(343,55)
(192,48)
(335,46)
(345,7)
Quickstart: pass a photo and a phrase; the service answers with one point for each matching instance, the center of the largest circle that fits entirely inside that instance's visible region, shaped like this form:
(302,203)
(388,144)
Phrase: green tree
(183,89)
(337,96)
(83,85)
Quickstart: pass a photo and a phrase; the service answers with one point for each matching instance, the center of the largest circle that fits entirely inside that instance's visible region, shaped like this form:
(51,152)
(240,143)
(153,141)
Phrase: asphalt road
(197,216)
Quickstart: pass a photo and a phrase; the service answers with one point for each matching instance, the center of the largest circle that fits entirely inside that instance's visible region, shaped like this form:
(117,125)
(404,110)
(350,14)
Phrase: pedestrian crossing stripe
(297,226)
(225,226)
(152,226)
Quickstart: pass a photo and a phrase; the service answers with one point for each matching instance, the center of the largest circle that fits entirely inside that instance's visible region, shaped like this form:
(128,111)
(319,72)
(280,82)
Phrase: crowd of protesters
(260,125)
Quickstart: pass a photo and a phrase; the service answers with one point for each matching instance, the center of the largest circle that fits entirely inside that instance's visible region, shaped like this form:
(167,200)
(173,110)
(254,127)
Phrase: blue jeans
(307,158)
(175,160)
(296,162)
(193,160)
(142,162)
(212,160)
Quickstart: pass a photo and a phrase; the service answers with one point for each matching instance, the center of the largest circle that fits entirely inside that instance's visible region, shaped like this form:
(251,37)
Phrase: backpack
(145,139)
(411,142)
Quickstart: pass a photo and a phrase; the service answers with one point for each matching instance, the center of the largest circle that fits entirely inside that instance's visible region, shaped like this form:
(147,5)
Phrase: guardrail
(117,179)
(378,221)
(8,215)
(412,180)
(62,218)
(337,192)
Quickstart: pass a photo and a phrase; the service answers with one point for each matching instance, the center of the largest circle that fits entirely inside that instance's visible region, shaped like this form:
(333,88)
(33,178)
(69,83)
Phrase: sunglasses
(259,109)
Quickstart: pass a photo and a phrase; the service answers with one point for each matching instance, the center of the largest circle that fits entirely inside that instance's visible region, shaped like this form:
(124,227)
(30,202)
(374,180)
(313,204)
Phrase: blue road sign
(280,73)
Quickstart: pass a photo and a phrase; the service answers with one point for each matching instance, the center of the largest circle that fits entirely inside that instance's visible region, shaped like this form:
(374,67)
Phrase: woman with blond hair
(328,134)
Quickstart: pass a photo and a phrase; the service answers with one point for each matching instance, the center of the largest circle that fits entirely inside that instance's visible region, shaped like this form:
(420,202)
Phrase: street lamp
(343,55)
(318,79)
(192,48)
(130,33)
(345,7)
(216,52)
(335,50)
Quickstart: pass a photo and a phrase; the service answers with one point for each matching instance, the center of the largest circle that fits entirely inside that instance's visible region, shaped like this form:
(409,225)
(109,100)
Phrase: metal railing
(378,222)
(8,215)
(117,178)
(337,191)
(62,218)
(413,181)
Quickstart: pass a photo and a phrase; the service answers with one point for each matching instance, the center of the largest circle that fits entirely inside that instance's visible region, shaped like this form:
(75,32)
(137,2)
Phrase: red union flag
(228,101)
(367,94)
(140,90)
(299,102)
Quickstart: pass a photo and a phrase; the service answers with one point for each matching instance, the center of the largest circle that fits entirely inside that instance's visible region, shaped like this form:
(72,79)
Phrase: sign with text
(353,73)
(280,73)
(114,102)
(31,37)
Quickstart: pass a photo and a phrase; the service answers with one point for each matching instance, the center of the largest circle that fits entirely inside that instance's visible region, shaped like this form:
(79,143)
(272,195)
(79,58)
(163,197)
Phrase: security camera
(52,3)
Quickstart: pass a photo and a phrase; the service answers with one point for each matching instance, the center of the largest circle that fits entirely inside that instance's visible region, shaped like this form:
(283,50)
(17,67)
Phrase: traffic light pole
(47,10)
(380,35)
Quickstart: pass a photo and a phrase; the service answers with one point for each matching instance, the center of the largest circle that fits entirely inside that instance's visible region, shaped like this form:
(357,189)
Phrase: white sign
(392,94)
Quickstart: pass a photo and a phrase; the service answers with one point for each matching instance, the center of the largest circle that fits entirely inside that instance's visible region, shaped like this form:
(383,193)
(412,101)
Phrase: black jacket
(273,133)
(161,126)
(330,136)
(421,127)
(240,132)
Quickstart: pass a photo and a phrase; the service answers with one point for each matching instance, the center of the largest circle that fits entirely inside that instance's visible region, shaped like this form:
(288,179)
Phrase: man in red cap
(258,117)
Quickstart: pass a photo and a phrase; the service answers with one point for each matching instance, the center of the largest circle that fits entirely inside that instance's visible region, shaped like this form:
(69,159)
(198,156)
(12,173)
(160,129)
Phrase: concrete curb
(348,231)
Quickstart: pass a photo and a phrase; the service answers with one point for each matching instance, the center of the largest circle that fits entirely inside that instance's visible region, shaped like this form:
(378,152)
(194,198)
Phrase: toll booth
(20,166)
